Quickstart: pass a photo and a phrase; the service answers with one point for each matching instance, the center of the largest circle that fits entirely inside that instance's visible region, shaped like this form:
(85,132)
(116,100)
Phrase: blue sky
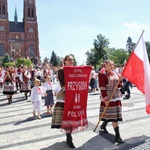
(70,26)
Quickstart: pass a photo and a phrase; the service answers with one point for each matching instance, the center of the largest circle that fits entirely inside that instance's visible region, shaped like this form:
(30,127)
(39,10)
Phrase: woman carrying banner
(59,107)
(107,83)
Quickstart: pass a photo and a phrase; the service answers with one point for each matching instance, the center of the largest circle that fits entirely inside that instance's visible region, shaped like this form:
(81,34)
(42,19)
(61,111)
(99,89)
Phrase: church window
(0,10)
(3,10)
(32,51)
(29,12)
(1,49)
(32,13)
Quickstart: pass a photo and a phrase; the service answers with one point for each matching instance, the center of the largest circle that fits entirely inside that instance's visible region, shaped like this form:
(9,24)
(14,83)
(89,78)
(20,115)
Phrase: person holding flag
(110,83)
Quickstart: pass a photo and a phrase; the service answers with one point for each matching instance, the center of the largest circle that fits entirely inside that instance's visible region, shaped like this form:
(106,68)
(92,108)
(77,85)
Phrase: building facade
(19,39)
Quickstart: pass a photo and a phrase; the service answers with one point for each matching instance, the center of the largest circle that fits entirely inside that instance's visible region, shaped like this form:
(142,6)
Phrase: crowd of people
(22,79)
(29,81)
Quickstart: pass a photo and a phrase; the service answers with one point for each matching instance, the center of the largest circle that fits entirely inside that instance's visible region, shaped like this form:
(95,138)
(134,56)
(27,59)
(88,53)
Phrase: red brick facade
(19,39)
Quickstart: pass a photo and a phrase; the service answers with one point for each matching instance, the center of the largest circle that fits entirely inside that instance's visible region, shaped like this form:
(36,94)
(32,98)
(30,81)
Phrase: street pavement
(19,130)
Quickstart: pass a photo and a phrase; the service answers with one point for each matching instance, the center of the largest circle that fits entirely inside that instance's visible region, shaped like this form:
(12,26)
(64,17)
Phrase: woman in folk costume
(1,77)
(18,82)
(107,82)
(25,78)
(59,107)
(33,75)
(9,84)
(46,72)
(36,98)
(49,99)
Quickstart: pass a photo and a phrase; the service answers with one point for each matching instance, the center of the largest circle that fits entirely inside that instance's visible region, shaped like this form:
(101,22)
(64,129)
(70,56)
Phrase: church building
(19,39)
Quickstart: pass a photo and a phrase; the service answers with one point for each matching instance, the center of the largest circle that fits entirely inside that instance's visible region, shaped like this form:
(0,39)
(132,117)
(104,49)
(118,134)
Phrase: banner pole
(139,39)
(115,88)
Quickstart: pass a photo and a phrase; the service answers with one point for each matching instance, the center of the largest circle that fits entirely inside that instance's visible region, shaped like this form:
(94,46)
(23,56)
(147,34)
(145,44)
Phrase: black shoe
(70,144)
(26,96)
(117,136)
(9,100)
(118,140)
(127,96)
(103,127)
(69,141)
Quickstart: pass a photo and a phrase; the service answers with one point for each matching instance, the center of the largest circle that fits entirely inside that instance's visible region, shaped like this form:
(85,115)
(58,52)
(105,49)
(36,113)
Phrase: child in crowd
(36,98)
(49,99)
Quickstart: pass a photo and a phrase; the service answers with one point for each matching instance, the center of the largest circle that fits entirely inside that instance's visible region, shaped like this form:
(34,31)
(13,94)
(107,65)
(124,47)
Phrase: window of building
(32,13)
(31,51)
(3,9)
(0,10)
(2,49)
(29,12)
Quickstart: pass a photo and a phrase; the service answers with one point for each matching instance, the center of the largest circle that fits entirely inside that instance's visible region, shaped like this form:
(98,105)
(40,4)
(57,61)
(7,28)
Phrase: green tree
(23,61)
(11,64)
(54,59)
(98,53)
(91,57)
(5,59)
(118,56)
(100,45)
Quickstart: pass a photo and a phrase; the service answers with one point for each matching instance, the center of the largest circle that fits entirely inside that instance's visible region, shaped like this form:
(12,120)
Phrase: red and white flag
(137,70)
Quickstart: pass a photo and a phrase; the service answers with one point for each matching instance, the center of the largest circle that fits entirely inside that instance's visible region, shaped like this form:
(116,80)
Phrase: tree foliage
(11,64)
(91,57)
(54,59)
(101,52)
(23,61)
(5,59)
(98,53)
(118,56)
(100,45)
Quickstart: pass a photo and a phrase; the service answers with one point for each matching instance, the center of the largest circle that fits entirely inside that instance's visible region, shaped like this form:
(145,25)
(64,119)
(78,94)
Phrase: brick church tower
(19,39)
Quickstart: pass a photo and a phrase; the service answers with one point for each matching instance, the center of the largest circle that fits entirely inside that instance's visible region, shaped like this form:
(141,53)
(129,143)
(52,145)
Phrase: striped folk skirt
(113,112)
(25,87)
(57,115)
(9,88)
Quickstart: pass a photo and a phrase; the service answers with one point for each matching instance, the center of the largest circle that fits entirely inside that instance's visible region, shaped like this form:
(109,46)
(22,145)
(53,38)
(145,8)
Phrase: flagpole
(115,88)
(139,39)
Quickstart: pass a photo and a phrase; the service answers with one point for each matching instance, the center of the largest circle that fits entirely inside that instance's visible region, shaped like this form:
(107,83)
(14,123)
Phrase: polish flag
(137,70)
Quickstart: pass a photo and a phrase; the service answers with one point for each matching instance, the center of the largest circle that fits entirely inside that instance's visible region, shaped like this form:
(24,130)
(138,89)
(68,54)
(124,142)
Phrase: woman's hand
(121,78)
(106,103)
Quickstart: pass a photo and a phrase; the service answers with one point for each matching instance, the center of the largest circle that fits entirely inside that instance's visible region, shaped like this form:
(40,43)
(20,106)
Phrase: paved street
(20,131)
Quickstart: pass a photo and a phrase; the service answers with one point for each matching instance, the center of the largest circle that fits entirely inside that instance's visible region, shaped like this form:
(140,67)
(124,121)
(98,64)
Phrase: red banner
(76,84)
